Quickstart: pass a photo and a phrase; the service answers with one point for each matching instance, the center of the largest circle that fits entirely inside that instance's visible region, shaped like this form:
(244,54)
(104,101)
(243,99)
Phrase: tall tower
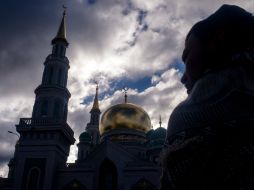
(91,137)
(45,138)
(52,96)
(93,126)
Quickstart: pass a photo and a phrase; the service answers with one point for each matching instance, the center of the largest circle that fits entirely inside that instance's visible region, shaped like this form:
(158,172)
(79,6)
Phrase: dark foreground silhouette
(210,136)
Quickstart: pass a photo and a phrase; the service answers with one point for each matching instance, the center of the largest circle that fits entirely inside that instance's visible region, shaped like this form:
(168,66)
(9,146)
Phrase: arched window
(92,118)
(107,176)
(62,51)
(54,49)
(33,179)
(96,118)
(56,112)
(44,108)
(59,77)
(58,50)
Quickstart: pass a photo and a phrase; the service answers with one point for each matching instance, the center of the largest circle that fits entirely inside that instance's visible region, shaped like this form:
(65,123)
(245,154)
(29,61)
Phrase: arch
(107,176)
(33,179)
(96,119)
(92,118)
(143,184)
(56,112)
(74,185)
(54,49)
(59,77)
(62,52)
(57,49)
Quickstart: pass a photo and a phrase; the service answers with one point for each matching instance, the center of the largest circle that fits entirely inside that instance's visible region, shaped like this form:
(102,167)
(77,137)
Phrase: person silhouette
(210,135)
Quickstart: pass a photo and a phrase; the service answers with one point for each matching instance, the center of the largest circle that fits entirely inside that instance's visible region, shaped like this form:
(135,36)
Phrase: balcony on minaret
(45,131)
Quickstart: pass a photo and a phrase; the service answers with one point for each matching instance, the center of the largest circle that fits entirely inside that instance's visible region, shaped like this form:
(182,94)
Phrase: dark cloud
(27,28)
(7,141)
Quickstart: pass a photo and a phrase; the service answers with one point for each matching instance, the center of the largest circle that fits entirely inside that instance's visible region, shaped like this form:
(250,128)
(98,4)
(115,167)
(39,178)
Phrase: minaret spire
(125,95)
(93,126)
(61,34)
(96,100)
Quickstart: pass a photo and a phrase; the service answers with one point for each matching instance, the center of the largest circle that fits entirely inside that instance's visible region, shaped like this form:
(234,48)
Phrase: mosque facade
(118,150)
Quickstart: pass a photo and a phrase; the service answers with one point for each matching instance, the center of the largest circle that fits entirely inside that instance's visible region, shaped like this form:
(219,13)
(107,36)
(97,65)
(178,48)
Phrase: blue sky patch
(177,64)
(140,85)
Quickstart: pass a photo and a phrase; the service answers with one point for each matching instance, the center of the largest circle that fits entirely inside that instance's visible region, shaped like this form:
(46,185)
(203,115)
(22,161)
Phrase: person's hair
(230,30)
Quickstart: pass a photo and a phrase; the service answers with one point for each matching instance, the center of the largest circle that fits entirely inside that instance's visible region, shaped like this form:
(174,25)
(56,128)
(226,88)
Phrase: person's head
(211,43)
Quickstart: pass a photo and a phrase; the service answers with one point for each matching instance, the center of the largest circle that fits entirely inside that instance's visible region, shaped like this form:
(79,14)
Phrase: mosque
(119,151)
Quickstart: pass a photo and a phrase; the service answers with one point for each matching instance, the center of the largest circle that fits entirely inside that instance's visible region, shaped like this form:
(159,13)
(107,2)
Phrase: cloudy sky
(119,43)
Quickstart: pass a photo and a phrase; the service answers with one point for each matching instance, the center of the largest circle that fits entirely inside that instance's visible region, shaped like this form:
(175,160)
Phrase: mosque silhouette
(120,151)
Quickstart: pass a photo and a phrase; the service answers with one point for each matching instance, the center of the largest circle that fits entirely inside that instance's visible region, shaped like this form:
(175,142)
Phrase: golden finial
(125,94)
(64,7)
(96,98)
(61,34)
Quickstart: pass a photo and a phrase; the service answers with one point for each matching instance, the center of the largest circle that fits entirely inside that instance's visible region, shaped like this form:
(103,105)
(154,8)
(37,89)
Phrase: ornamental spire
(61,34)
(96,100)
(125,95)
(160,121)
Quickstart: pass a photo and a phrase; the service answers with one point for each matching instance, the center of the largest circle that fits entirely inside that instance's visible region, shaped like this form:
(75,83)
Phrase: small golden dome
(124,116)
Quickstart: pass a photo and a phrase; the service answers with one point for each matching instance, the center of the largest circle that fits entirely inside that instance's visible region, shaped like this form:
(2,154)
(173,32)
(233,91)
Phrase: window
(61,50)
(107,176)
(54,49)
(59,77)
(56,112)
(33,179)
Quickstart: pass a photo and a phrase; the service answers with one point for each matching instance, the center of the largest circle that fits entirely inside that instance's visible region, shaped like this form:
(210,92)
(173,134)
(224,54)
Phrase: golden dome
(126,116)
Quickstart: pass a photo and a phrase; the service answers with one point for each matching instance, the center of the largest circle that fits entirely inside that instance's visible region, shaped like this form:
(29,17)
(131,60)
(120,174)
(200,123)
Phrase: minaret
(93,126)
(45,139)
(52,96)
